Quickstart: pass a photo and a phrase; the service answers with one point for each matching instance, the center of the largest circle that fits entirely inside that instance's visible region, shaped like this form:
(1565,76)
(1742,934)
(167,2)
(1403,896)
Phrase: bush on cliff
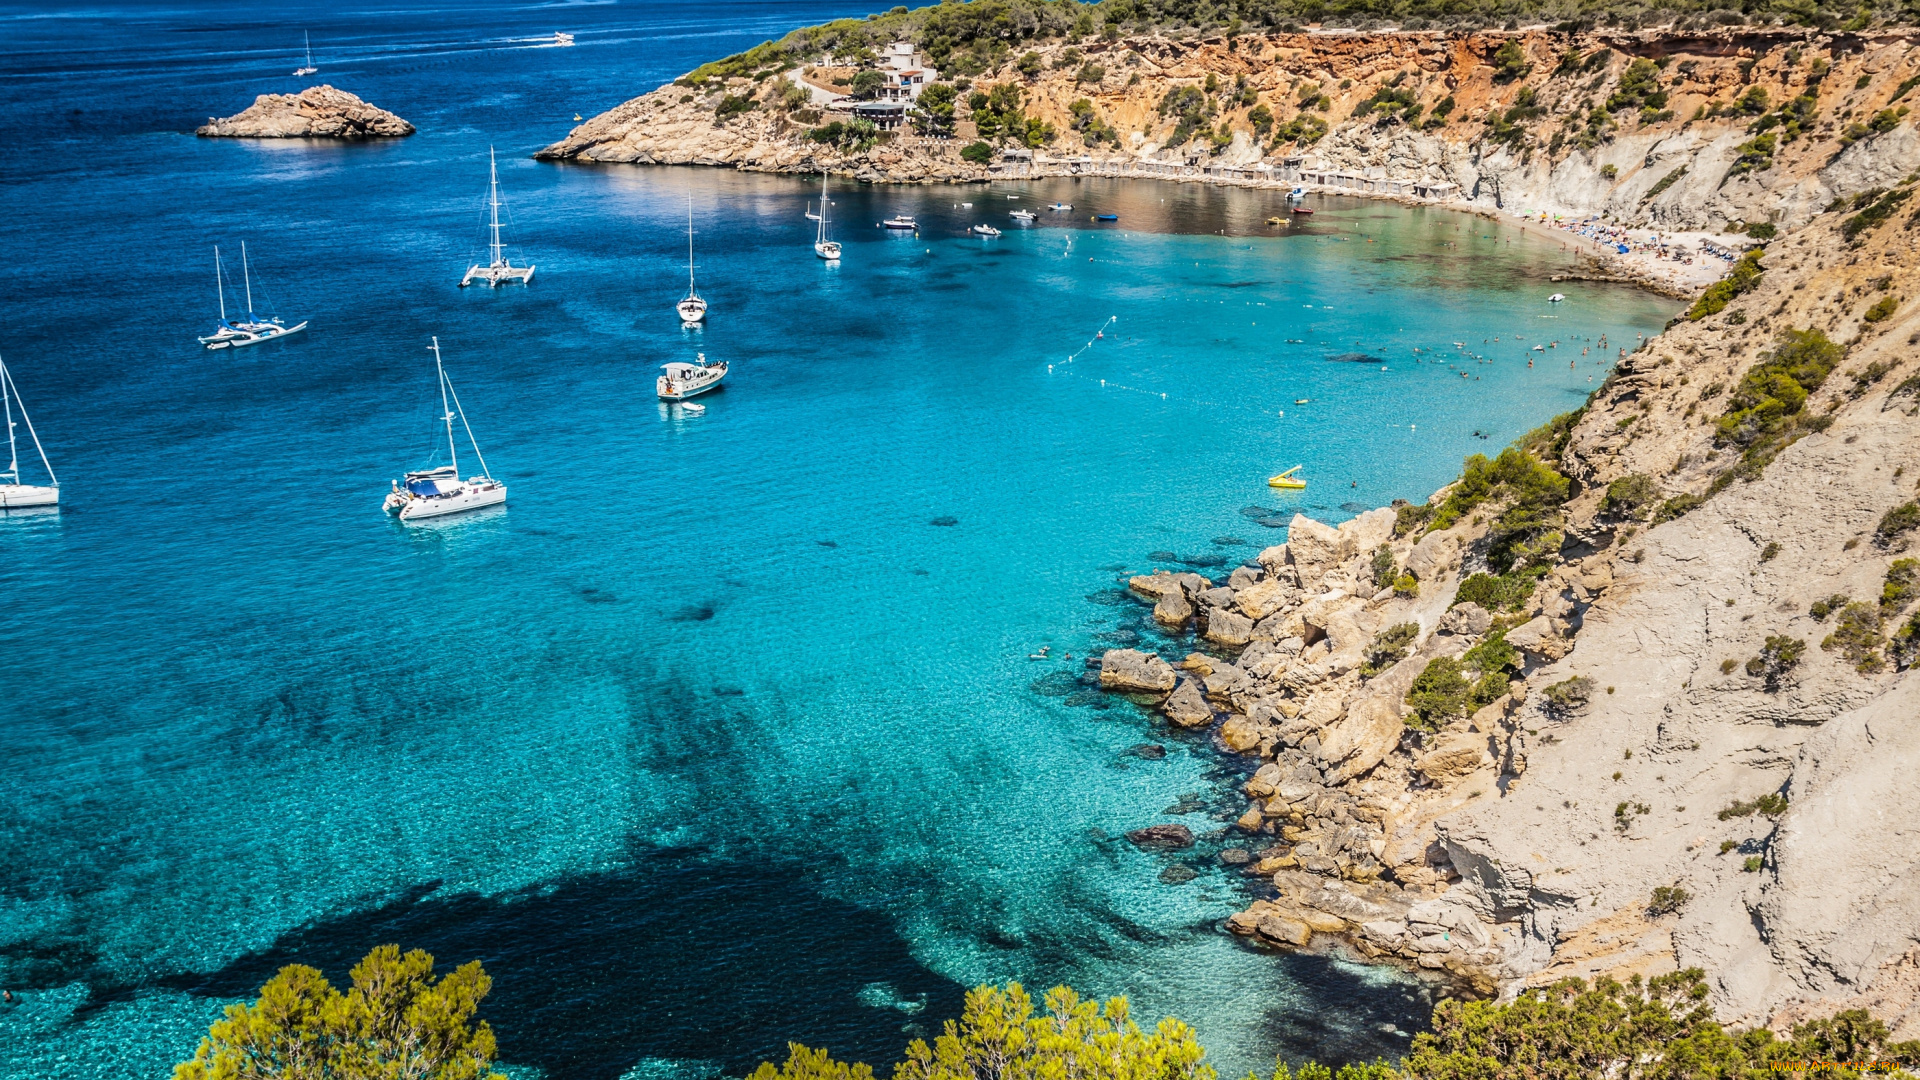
(394,1021)
(1767,412)
(1740,280)
(978,153)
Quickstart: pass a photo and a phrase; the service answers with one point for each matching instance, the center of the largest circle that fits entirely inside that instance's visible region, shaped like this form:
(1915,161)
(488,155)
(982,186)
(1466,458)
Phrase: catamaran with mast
(823,247)
(693,309)
(13,493)
(235,335)
(438,491)
(499,270)
(309,69)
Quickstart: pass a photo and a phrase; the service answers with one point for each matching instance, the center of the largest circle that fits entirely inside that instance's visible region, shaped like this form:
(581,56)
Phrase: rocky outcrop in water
(318,112)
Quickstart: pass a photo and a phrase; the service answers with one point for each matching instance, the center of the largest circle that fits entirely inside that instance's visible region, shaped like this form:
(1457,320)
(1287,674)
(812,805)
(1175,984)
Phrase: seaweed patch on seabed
(1356,358)
(587,969)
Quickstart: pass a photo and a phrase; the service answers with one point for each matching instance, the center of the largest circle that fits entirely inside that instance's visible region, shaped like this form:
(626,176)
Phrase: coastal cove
(725,733)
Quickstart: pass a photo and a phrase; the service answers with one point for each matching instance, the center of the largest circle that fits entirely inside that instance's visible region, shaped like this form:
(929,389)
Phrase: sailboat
(13,493)
(823,247)
(309,69)
(434,492)
(499,269)
(692,309)
(223,331)
(253,331)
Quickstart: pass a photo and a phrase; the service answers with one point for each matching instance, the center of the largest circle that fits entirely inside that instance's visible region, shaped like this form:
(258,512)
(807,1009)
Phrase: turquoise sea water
(712,738)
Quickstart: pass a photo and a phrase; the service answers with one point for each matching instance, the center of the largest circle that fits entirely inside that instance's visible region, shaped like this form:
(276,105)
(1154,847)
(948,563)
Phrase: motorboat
(901,223)
(1302,401)
(681,381)
(1106,217)
(1023,216)
(1060,206)
(1288,480)
(438,491)
(986,230)
(251,331)
(498,271)
(1303,211)
(1556,298)
(692,309)
(1298,194)
(823,247)
(562,39)
(13,493)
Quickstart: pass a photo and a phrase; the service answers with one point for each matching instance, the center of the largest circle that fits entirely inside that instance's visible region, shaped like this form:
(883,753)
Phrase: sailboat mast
(493,173)
(219,286)
(690,292)
(247,276)
(471,441)
(309,38)
(13,457)
(7,377)
(446,410)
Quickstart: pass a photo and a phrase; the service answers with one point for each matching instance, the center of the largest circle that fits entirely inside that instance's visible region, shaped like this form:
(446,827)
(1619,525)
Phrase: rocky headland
(318,112)
(1632,697)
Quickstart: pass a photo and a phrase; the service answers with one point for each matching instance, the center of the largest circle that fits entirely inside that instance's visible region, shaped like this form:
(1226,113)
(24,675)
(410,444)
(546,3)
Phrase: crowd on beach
(1622,241)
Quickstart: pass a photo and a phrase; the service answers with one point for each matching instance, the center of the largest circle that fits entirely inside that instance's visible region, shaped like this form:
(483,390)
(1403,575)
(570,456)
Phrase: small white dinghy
(693,408)
(1556,298)
(692,310)
(13,493)
(439,491)
(1060,206)
(986,231)
(1023,216)
(682,380)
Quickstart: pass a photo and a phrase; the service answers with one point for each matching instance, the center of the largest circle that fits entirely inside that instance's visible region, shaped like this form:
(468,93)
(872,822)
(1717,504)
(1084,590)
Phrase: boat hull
(685,392)
(495,276)
(254,339)
(21,495)
(691,311)
(829,251)
(472,498)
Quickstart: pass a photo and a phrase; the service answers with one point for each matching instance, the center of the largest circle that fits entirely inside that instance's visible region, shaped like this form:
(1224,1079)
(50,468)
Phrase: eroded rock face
(318,112)
(1134,672)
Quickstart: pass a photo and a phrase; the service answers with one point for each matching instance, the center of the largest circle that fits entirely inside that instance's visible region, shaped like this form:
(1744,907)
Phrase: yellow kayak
(1287,479)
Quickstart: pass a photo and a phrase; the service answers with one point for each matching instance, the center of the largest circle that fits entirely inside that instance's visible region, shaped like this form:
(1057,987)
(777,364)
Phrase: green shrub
(1899,588)
(1771,805)
(1779,655)
(1820,609)
(1639,88)
(1548,441)
(1497,592)
(1762,230)
(1029,65)
(1667,899)
(1856,634)
(1523,536)
(1768,553)
(1406,585)
(1904,645)
(1569,694)
(1896,523)
(1882,310)
(1875,214)
(1384,570)
(1610,172)
(1410,516)
(1389,648)
(1767,411)
(1740,280)
(978,153)
(732,104)
(1510,62)
(1628,497)
(1752,864)
(1664,183)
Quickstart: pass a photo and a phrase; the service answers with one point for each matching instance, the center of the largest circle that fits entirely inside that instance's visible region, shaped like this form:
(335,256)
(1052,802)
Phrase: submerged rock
(320,112)
(1356,358)
(1147,751)
(1055,684)
(944,521)
(1161,837)
(1178,874)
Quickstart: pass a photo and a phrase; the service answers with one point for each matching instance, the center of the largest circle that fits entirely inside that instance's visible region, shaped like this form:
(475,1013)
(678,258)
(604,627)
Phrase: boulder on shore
(1131,671)
(320,112)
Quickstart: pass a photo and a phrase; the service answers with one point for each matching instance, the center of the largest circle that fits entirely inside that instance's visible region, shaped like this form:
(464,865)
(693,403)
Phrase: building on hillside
(904,73)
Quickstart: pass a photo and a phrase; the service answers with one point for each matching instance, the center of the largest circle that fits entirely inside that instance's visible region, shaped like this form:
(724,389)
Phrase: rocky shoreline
(318,112)
(1660,772)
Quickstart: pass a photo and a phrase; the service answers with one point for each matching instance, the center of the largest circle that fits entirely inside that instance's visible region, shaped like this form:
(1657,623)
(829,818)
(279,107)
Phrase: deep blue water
(711,739)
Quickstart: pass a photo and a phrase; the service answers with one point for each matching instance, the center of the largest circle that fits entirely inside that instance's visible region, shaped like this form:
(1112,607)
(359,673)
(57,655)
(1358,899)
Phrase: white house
(904,69)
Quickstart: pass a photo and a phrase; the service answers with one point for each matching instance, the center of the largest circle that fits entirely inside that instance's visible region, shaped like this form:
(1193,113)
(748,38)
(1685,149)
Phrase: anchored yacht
(251,331)
(438,491)
(13,493)
(692,309)
(823,247)
(499,270)
(681,381)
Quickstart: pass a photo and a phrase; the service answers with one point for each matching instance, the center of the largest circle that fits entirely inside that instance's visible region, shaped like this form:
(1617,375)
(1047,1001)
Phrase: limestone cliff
(319,112)
(1710,691)
(1676,130)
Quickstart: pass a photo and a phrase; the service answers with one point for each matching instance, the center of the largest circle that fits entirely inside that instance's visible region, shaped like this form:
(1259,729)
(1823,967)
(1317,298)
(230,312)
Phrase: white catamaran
(13,493)
(693,309)
(309,69)
(499,270)
(823,247)
(253,331)
(438,491)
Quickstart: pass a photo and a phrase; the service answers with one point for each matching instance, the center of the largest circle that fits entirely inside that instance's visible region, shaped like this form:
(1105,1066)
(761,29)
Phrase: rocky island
(318,112)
